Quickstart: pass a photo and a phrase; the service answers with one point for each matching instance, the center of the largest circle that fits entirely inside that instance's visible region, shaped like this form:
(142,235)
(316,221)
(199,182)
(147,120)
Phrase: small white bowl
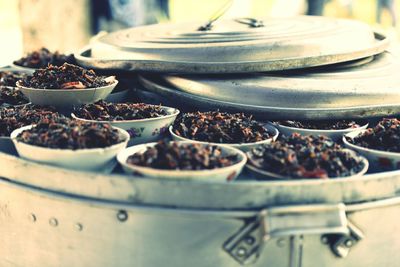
(335,135)
(143,130)
(224,174)
(263,174)
(66,98)
(379,160)
(93,159)
(244,146)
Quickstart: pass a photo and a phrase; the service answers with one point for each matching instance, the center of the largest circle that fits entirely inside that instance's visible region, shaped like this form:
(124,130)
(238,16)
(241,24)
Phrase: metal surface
(241,194)
(193,102)
(330,87)
(41,229)
(234,47)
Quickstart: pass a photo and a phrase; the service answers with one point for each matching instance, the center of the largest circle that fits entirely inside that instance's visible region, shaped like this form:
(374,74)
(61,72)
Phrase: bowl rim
(175,112)
(320,131)
(271,175)
(364,149)
(237,145)
(113,84)
(123,155)
(16,132)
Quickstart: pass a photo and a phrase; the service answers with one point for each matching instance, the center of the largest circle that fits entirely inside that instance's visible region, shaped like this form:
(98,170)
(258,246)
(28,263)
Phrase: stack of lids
(298,68)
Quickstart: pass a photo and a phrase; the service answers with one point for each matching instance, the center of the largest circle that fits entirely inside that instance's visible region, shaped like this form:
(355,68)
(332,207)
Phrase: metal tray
(189,101)
(232,47)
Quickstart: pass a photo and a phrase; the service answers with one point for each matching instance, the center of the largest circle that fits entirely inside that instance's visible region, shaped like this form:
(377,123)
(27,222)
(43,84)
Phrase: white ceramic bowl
(94,159)
(263,174)
(379,160)
(244,146)
(144,130)
(215,175)
(335,135)
(66,98)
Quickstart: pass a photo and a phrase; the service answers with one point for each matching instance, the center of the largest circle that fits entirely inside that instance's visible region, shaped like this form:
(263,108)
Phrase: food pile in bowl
(105,111)
(70,143)
(144,122)
(9,94)
(238,130)
(183,160)
(379,144)
(63,133)
(66,76)
(300,157)
(42,58)
(66,86)
(334,129)
(12,118)
(321,125)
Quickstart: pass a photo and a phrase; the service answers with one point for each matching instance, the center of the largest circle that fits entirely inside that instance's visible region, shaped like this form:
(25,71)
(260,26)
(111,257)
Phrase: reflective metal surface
(342,86)
(42,229)
(192,101)
(241,194)
(234,47)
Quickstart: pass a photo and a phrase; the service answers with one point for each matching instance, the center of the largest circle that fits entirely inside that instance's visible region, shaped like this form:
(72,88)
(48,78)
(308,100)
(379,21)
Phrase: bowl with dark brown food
(330,128)
(10,95)
(234,129)
(305,157)
(41,58)
(12,118)
(144,122)
(70,144)
(379,144)
(66,86)
(183,161)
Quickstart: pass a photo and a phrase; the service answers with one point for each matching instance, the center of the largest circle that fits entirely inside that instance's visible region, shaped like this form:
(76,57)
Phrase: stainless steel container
(56,217)
(234,46)
(112,225)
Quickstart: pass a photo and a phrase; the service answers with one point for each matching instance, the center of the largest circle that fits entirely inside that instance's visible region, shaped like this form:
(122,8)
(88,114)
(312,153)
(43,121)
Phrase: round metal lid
(233,46)
(371,89)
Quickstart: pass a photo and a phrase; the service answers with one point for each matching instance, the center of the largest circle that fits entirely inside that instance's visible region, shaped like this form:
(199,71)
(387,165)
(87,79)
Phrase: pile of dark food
(67,76)
(174,156)
(104,111)
(12,118)
(384,136)
(320,125)
(299,156)
(10,78)
(65,133)
(12,96)
(220,127)
(43,57)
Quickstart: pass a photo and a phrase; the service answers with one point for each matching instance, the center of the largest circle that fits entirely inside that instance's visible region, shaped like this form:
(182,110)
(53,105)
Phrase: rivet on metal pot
(53,222)
(122,216)
(281,242)
(32,217)
(241,252)
(78,227)
(348,243)
(324,239)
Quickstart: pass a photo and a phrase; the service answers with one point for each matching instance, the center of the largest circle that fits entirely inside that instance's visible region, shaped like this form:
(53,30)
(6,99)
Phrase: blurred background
(67,25)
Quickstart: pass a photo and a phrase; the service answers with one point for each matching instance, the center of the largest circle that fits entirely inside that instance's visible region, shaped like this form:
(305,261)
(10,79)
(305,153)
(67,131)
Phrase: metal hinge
(246,245)
(341,244)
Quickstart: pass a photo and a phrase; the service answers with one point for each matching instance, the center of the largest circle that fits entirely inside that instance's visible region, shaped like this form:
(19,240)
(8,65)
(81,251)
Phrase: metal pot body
(39,228)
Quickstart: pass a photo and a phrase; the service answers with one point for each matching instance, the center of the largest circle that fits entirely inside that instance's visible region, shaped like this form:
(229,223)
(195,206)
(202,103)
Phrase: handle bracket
(246,245)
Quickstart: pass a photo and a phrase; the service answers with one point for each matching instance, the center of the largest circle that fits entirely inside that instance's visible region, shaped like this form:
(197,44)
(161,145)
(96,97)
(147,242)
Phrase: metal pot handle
(328,220)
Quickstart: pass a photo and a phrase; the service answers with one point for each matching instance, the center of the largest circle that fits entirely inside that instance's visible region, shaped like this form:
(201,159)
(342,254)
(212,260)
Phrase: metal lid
(233,46)
(338,91)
